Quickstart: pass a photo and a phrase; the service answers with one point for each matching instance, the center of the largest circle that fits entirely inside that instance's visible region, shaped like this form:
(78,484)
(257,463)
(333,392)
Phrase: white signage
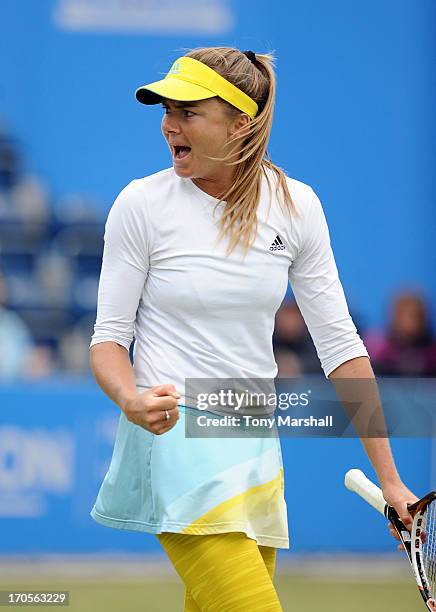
(155,16)
(34,462)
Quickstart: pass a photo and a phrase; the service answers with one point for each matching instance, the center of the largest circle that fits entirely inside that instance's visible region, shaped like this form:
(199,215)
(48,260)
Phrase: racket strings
(429,547)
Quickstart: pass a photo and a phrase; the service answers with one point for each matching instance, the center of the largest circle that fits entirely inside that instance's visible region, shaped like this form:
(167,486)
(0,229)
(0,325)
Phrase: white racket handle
(355,480)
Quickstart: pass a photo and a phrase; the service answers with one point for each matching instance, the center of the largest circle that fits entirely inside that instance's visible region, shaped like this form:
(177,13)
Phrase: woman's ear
(239,123)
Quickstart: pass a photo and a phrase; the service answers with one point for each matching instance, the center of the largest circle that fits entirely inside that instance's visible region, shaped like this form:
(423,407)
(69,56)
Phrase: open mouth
(181,152)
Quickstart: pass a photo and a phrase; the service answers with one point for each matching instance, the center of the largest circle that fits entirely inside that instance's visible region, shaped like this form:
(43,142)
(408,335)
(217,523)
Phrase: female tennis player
(196,262)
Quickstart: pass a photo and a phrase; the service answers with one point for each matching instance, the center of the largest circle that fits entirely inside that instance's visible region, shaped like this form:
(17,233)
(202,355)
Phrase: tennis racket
(420,543)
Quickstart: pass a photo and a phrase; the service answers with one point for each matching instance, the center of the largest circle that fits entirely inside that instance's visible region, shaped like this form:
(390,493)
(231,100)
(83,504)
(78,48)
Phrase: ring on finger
(167,415)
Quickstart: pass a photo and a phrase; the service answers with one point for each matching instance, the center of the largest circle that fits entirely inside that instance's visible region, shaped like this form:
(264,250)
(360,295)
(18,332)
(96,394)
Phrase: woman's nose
(170,124)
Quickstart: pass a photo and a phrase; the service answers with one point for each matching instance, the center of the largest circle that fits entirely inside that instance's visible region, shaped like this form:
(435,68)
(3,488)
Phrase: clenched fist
(148,409)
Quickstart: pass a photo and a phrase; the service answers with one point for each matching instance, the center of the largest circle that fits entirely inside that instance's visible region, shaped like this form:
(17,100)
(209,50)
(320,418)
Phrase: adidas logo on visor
(277,245)
(175,68)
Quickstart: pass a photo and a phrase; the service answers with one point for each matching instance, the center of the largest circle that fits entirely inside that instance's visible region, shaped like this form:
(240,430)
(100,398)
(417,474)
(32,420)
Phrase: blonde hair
(257,80)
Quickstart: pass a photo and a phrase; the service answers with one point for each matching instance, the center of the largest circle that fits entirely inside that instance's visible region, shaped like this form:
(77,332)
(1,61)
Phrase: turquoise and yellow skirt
(194,485)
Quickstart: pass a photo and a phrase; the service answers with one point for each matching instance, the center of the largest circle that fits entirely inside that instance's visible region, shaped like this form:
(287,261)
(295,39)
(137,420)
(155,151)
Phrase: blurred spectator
(9,160)
(288,363)
(39,363)
(54,275)
(15,339)
(293,347)
(29,199)
(51,259)
(18,355)
(74,346)
(408,348)
(74,352)
(79,208)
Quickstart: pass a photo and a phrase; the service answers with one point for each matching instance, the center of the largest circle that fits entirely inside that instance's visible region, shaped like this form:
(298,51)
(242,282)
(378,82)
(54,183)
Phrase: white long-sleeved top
(197,313)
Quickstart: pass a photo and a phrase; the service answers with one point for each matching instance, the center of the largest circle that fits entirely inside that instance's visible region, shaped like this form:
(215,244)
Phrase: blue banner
(56,441)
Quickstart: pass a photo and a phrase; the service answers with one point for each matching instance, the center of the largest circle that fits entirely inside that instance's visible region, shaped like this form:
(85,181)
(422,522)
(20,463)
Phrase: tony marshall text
(247,420)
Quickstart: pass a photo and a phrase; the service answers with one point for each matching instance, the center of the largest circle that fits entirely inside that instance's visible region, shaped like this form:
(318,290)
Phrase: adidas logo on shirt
(277,245)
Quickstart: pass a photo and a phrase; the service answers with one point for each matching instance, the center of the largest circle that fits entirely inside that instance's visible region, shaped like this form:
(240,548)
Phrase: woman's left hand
(399,497)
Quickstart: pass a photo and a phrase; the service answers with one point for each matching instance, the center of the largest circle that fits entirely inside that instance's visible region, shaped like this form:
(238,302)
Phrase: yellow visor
(189,79)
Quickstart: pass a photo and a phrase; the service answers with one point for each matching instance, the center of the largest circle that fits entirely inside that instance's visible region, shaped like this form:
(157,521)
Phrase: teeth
(181,151)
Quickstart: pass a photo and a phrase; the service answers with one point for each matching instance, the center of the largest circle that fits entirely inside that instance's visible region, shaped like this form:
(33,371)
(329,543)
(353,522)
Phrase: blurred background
(354,119)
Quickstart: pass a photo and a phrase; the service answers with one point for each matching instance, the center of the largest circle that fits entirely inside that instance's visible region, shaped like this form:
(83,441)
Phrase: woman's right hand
(147,409)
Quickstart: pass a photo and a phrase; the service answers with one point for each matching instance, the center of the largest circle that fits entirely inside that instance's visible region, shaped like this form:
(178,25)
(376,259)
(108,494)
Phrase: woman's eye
(187,113)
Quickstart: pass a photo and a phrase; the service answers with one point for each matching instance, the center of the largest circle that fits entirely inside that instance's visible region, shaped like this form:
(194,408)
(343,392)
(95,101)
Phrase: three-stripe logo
(277,245)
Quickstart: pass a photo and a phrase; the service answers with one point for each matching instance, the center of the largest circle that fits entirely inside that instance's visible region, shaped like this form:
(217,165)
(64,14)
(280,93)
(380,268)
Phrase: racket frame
(356,481)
